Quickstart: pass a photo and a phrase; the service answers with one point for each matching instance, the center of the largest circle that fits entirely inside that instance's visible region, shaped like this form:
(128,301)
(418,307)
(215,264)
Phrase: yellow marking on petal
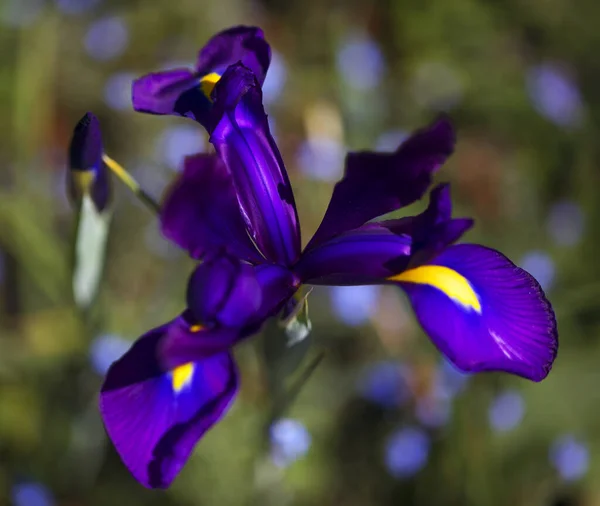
(181,376)
(196,328)
(83,179)
(445,279)
(207,83)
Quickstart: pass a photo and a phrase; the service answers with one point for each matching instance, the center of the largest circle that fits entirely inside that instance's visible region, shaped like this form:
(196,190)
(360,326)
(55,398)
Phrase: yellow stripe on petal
(207,83)
(445,279)
(181,376)
(196,328)
(83,179)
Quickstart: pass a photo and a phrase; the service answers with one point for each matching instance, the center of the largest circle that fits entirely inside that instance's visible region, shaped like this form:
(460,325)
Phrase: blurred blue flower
(570,457)
(276,78)
(76,6)
(360,62)
(566,223)
(31,494)
(555,95)
(389,141)
(385,383)
(107,38)
(354,305)
(290,441)
(20,13)
(117,91)
(407,451)
(105,349)
(177,142)
(321,158)
(506,411)
(541,266)
(437,86)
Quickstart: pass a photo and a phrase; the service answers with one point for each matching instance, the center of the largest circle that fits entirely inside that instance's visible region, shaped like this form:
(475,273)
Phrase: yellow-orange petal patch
(196,328)
(207,83)
(447,280)
(181,376)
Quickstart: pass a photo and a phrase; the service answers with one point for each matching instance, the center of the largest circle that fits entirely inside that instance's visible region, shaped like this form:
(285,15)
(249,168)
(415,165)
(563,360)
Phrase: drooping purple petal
(239,43)
(483,312)
(366,255)
(201,214)
(223,291)
(155,420)
(242,138)
(87,173)
(378,183)
(158,92)
(277,285)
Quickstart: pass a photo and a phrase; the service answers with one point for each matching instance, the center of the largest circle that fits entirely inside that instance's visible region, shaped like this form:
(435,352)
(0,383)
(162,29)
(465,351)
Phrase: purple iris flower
(187,92)
(87,173)
(235,211)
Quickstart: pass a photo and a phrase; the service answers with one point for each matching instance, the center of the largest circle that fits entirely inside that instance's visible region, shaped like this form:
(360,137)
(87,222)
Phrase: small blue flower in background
(177,142)
(354,305)
(360,62)
(437,86)
(385,384)
(31,494)
(541,266)
(76,6)
(117,91)
(407,451)
(275,79)
(290,440)
(389,141)
(105,349)
(570,457)
(566,223)
(20,13)
(321,158)
(506,411)
(107,38)
(555,95)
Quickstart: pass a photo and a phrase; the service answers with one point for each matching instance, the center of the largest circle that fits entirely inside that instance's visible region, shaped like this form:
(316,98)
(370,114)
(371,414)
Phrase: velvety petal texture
(155,418)
(242,138)
(483,312)
(201,214)
(87,174)
(240,43)
(366,255)
(377,183)
(432,230)
(185,341)
(223,291)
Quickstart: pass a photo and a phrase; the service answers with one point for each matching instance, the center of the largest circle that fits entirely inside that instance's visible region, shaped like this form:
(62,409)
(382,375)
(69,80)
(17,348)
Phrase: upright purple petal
(378,183)
(242,138)
(432,230)
(240,43)
(483,312)
(201,214)
(366,255)
(87,173)
(155,420)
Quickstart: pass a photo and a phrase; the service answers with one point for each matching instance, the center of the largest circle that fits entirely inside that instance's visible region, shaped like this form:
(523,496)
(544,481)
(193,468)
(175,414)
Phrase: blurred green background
(383,420)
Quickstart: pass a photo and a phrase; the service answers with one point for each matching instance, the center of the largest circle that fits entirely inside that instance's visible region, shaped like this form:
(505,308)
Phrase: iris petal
(156,420)
(243,140)
(366,255)
(378,183)
(201,214)
(483,312)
